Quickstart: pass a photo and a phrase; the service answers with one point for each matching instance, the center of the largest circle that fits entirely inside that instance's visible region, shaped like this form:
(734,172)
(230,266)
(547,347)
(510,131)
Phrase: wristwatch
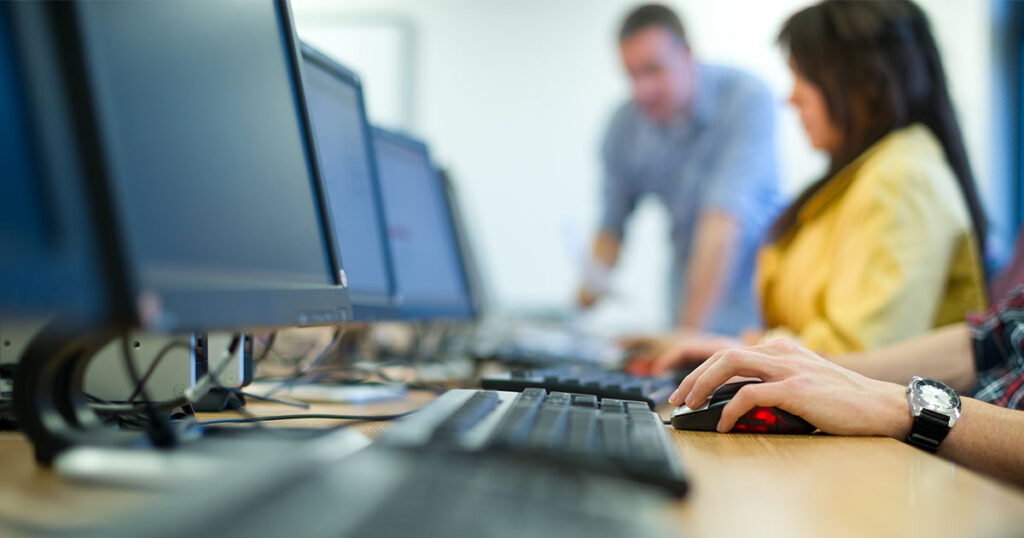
(935,408)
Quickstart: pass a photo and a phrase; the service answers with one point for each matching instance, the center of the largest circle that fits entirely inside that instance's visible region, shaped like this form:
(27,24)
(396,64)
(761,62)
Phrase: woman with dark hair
(887,244)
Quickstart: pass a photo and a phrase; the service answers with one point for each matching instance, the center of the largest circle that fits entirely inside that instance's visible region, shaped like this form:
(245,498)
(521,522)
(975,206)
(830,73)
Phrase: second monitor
(335,99)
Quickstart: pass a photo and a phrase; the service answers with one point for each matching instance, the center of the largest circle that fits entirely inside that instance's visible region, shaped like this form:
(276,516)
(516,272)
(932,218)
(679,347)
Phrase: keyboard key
(549,430)
(466,416)
(514,428)
(582,438)
(586,400)
(614,429)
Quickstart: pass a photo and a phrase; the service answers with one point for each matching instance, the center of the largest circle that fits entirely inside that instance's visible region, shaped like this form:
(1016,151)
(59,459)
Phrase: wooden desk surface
(743,485)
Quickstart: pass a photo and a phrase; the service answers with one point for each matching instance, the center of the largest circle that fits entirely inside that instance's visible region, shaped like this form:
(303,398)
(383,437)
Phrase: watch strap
(928,430)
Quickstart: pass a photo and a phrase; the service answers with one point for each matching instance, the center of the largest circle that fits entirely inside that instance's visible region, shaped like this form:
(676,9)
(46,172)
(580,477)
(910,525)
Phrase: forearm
(709,269)
(943,354)
(988,439)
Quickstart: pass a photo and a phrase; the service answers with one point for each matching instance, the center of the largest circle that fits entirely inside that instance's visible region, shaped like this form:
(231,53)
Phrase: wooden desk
(743,485)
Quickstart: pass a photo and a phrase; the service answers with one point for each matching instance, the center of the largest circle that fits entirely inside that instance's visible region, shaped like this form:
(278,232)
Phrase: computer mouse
(757,420)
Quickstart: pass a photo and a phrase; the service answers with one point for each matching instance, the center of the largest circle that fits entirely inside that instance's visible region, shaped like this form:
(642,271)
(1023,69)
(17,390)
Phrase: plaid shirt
(998,338)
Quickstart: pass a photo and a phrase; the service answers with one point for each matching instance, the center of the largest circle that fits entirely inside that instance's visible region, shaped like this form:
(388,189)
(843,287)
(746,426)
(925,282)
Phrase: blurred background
(514,96)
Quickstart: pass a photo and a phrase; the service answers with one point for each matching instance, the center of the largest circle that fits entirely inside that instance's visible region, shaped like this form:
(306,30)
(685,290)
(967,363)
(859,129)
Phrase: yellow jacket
(884,251)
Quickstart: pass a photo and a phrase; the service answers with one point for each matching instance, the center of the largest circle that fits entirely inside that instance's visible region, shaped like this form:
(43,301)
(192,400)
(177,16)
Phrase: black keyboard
(609,436)
(588,379)
(471,463)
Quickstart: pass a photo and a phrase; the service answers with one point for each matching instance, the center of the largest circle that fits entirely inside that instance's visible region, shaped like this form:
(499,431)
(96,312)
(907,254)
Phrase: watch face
(933,395)
(936,397)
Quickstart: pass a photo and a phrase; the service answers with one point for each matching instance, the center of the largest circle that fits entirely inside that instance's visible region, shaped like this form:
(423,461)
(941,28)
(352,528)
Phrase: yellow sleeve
(894,242)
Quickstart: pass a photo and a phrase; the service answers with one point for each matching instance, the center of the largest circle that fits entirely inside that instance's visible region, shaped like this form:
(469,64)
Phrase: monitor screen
(51,264)
(335,99)
(209,162)
(423,244)
(24,221)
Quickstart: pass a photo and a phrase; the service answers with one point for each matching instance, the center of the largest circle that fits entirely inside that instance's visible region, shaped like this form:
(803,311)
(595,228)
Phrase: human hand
(586,297)
(644,349)
(795,379)
(684,348)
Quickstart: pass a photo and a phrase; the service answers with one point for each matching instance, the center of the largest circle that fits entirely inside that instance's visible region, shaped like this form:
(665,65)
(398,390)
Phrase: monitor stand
(52,410)
(219,399)
(49,399)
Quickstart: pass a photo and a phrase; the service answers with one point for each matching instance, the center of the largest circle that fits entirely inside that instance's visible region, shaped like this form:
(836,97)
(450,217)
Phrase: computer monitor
(51,260)
(201,181)
(335,99)
(467,253)
(431,281)
(198,118)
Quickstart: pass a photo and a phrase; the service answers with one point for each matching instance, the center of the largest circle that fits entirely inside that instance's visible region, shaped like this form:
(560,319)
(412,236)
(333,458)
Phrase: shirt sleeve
(998,345)
(618,191)
(743,179)
(894,246)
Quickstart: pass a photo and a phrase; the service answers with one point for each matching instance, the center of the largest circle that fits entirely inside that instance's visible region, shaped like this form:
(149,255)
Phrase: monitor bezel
(365,306)
(209,308)
(428,311)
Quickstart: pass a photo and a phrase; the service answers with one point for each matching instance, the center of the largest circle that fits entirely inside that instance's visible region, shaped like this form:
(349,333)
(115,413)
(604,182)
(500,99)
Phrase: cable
(301,405)
(140,407)
(410,384)
(96,399)
(297,358)
(363,418)
(148,406)
(336,339)
(160,431)
(211,378)
(266,349)
(156,362)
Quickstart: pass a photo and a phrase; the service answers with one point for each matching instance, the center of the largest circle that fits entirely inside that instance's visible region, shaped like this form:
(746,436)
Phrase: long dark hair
(879,69)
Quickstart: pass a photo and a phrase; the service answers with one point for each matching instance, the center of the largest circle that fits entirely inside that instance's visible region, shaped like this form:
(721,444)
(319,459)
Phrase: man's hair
(647,15)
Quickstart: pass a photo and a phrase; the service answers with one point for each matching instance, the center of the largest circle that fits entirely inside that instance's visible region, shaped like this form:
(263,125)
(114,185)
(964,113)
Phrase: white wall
(513,97)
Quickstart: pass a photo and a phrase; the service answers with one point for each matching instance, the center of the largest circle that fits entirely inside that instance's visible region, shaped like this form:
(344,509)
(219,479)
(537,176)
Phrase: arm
(740,194)
(605,254)
(944,354)
(987,439)
(838,401)
(619,198)
(711,263)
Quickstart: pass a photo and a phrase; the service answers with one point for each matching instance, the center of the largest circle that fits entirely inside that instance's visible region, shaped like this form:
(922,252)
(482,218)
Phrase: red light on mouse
(763,414)
(758,419)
